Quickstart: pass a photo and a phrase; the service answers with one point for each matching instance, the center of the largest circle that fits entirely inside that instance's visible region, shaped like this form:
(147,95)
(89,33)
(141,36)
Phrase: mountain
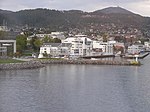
(7,17)
(63,20)
(113,10)
(118,15)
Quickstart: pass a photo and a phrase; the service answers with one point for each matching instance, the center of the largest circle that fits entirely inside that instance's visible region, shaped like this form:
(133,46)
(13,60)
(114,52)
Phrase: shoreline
(42,63)
(23,65)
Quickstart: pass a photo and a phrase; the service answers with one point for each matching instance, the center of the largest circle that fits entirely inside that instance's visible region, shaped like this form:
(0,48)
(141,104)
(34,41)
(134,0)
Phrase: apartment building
(100,47)
(81,45)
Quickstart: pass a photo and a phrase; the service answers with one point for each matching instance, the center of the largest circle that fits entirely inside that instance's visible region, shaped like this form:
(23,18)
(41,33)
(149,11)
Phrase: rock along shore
(42,63)
(92,62)
(23,65)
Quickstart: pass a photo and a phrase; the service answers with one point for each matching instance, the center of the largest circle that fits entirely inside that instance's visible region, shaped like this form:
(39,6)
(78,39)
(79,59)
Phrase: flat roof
(7,41)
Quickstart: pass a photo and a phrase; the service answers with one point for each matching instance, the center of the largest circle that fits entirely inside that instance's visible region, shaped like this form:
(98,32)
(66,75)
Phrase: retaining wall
(41,63)
(24,65)
(94,62)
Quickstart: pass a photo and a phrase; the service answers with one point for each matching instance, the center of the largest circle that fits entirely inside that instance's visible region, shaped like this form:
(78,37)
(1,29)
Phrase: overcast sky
(137,6)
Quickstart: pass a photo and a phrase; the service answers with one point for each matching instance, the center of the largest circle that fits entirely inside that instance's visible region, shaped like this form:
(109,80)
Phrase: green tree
(46,39)
(56,40)
(32,42)
(21,42)
(37,43)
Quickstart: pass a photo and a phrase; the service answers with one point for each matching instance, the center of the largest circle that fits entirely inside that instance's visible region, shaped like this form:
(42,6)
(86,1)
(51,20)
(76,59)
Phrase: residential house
(59,35)
(56,49)
(50,49)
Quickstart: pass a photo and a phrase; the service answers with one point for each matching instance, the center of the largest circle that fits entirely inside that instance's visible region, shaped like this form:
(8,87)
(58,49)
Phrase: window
(76,51)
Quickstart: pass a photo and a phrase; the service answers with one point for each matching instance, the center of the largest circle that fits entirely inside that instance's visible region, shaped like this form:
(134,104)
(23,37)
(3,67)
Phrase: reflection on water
(76,88)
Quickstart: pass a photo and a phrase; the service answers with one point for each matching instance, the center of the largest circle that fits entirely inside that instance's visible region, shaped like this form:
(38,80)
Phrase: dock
(140,56)
(97,56)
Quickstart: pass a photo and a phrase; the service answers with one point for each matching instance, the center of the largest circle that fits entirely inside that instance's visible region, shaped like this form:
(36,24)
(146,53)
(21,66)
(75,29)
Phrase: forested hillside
(73,18)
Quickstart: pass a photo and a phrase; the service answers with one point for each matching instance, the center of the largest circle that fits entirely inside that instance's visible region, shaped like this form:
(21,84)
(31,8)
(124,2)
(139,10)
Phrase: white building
(147,45)
(64,49)
(101,47)
(56,49)
(50,49)
(77,46)
(6,43)
(3,51)
(3,28)
(59,35)
(109,49)
(43,35)
(135,49)
(81,45)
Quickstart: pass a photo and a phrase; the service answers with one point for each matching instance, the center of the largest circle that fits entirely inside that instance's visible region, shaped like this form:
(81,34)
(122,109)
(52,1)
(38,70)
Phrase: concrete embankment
(24,65)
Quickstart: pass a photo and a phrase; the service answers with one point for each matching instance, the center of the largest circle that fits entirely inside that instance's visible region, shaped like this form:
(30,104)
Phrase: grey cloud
(86,5)
(61,3)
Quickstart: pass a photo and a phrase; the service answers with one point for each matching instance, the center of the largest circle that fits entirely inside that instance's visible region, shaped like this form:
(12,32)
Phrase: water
(77,88)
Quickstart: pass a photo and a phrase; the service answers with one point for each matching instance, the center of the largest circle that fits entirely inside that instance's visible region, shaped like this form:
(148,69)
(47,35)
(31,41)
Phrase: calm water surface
(77,88)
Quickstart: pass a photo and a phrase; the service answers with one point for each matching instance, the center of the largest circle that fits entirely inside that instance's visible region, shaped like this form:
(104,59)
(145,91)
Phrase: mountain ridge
(107,10)
(72,18)
(114,10)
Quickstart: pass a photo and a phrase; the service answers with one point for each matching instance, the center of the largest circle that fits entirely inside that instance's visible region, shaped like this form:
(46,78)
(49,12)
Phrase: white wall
(106,47)
(135,49)
(80,45)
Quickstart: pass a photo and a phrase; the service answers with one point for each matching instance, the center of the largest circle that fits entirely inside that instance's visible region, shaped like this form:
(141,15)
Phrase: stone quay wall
(42,63)
(92,62)
(23,65)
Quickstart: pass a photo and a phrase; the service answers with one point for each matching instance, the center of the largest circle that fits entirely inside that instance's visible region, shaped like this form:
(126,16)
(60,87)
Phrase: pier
(139,56)
(97,56)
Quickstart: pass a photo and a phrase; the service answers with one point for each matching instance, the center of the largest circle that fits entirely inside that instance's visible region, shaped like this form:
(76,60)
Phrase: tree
(32,42)
(21,41)
(105,38)
(46,39)
(56,40)
(37,43)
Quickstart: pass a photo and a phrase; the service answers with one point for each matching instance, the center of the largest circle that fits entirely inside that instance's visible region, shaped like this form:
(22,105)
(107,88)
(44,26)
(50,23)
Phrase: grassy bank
(9,61)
